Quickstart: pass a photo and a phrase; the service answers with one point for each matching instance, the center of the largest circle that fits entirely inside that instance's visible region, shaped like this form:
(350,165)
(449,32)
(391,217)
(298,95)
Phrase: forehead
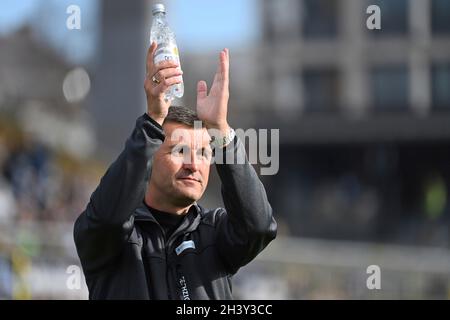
(180,133)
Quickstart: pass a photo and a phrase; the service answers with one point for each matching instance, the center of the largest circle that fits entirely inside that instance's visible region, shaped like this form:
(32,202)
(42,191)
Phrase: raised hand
(157,81)
(212,108)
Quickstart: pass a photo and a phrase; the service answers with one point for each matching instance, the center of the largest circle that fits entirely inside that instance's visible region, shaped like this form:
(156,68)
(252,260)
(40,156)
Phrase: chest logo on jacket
(183,246)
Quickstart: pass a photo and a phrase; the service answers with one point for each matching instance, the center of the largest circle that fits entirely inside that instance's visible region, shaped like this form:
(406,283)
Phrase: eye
(179,150)
(206,153)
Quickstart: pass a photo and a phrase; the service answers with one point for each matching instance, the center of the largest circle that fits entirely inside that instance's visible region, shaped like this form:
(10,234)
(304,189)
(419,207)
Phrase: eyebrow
(185,144)
(178,144)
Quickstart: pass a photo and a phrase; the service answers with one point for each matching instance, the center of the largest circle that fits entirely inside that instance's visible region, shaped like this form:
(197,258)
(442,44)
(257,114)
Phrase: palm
(212,108)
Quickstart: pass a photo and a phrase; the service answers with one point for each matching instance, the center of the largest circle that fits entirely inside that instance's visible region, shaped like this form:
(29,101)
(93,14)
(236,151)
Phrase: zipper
(153,220)
(169,289)
(167,274)
(183,229)
(168,245)
(170,271)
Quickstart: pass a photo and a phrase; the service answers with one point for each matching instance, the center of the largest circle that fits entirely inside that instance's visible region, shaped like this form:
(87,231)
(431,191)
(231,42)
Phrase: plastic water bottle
(167,47)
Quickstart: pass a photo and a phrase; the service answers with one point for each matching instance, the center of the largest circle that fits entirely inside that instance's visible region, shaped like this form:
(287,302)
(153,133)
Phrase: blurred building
(322,59)
(41,90)
(364,151)
(363,115)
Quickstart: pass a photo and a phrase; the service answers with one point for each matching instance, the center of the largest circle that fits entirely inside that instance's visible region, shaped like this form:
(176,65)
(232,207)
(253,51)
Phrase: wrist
(224,128)
(159,118)
(223,137)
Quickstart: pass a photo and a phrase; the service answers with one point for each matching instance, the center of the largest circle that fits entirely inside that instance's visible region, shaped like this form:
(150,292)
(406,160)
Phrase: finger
(150,53)
(202,90)
(166,83)
(222,67)
(168,73)
(161,66)
(166,64)
(225,63)
(165,74)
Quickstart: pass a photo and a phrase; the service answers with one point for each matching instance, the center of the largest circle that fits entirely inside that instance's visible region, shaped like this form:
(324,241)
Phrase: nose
(192,164)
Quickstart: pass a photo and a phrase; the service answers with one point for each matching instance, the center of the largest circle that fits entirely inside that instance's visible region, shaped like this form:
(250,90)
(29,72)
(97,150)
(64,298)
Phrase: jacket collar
(143,213)
(189,224)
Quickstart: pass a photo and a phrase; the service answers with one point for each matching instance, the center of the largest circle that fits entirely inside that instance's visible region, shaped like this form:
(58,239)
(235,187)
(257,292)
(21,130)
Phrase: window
(287,87)
(441,86)
(440,16)
(320,18)
(394,17)
(321,90)
(390,88)
(282,19)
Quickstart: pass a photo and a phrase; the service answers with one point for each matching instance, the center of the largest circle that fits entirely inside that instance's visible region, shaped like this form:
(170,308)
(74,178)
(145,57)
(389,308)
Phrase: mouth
(189,179)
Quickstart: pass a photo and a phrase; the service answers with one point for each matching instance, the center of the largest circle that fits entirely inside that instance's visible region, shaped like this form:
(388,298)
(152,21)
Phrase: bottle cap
(158,7)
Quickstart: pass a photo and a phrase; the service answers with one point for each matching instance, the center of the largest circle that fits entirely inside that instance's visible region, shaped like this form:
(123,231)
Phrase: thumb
(202,89)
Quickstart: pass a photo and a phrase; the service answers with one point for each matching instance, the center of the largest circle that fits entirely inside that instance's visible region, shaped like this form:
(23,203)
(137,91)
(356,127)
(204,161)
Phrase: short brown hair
(183,115)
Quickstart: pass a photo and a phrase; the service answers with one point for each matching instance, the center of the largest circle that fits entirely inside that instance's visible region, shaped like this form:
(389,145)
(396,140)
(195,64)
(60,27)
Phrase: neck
(157,200)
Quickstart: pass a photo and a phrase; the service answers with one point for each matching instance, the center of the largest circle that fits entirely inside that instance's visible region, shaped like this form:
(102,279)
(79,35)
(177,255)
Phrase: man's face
(181,165)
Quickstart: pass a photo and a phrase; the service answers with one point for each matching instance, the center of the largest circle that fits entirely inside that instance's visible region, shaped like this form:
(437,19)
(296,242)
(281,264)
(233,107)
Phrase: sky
(48,20)
(199,25)
(13,13)
(209,24)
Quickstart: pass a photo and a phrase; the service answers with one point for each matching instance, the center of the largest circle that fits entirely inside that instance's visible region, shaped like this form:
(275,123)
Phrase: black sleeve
(247,225)
(102,229)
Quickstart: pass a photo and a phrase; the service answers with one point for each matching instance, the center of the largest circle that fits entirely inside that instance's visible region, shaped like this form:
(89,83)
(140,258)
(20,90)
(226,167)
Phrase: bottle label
(167,52)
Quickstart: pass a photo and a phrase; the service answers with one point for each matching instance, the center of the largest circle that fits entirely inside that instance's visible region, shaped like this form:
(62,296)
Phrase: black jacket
(122,247)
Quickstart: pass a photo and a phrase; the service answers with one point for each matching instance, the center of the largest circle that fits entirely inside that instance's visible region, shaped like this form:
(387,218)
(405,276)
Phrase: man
(142,235)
